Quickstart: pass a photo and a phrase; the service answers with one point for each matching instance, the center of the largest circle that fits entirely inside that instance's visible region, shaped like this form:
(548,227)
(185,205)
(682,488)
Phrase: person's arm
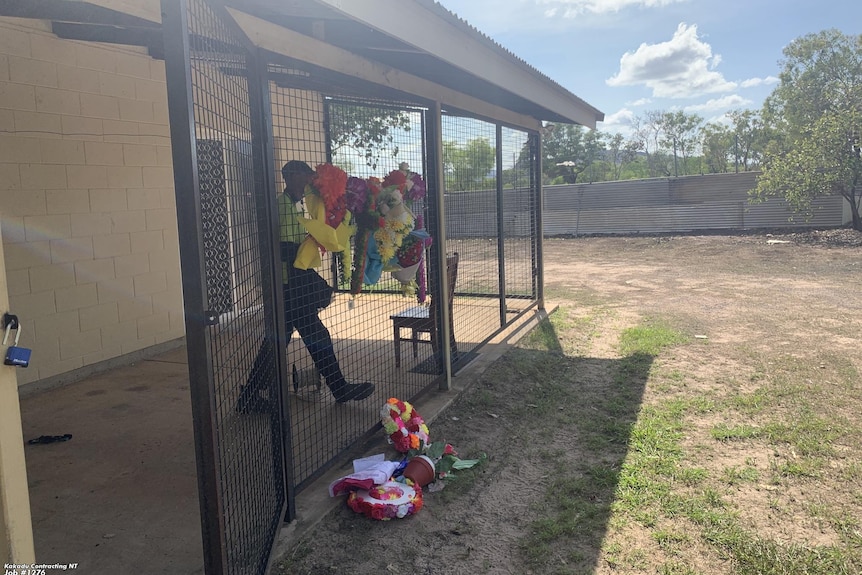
(291,233)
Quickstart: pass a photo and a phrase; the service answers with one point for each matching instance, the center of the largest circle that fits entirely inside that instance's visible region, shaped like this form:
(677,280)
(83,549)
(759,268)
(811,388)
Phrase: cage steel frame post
(180,105)
(539,233)
(434,137)
(501,239)
(263,156)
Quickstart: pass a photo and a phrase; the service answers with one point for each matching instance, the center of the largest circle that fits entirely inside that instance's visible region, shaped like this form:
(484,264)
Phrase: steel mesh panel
(314,128)
(491,224)
(519,217)
(234,225)
(470,171)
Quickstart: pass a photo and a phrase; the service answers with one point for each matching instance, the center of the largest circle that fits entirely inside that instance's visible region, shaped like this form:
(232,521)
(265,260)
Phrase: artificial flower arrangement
(404,426)
(384,214)
(376,494)
(389,500)
(329,220)
(409,434)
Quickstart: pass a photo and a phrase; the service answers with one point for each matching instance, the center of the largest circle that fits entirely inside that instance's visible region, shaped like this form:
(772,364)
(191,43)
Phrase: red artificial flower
(331,182)
(410,251)
(374,186)
(395,178)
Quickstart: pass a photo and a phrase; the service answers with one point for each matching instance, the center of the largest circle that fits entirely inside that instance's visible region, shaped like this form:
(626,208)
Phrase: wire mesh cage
(353,342)
(292,379)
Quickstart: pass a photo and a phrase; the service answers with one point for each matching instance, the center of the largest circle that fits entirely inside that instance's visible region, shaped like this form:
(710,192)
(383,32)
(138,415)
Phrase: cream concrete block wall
(86,199)
(298,127)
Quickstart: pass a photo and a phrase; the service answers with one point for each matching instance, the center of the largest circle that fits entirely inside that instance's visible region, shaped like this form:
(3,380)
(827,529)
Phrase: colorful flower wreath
(328,222)
(387,501)
(384,216)
(403,424)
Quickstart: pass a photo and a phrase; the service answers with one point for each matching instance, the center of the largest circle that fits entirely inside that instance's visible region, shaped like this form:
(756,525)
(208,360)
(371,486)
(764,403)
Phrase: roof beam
(74,11)
(138,36)
(297,46)
(445,41)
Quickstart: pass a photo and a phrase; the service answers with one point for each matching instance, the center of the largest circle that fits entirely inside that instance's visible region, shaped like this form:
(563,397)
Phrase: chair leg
(415,343)
(397,346)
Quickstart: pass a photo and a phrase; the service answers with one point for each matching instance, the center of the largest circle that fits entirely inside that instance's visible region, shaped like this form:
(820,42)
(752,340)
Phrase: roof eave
(447,38)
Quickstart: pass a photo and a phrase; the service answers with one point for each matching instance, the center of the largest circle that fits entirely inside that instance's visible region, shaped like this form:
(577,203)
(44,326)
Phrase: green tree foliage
(717,146)
(818,108)
(679,138)
(568,150)
(620,154)
(368,131)
(467,167)
(750,137)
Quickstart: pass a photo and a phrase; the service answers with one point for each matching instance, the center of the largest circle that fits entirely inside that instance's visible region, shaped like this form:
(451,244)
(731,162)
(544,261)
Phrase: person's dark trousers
(317,340)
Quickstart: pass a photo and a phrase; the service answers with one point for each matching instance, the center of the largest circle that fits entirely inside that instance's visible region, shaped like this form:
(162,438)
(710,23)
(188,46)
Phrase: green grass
(655,485)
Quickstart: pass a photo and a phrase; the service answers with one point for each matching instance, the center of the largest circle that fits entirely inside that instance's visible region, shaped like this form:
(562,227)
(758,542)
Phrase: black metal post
(263,157)
(436,187)
(501,227)
(538,228)
(187,191)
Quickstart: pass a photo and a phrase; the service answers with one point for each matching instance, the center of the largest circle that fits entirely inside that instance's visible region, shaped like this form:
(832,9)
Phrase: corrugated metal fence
(683,204)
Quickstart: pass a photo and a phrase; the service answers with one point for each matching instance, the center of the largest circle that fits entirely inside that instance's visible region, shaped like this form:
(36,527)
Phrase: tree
(620,153)
(749,137)
(826,161)
(818,105)
(678,132)
(717,146)
(469,165)
(649,135)
(369,131)
(568,150)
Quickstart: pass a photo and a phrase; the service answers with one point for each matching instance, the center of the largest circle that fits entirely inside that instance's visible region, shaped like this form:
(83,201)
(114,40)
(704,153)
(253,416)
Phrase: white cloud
(753,82)
(619,122)
(641,102)
(720,104)
(572,8)
(622,117)
(678,68)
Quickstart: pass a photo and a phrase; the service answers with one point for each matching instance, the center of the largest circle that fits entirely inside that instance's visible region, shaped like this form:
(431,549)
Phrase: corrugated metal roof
(481,36)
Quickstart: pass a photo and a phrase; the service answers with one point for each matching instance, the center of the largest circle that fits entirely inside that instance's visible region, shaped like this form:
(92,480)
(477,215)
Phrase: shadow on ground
(556,429)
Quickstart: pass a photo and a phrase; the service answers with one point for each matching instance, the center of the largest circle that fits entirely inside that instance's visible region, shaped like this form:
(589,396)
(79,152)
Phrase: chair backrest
(452,272)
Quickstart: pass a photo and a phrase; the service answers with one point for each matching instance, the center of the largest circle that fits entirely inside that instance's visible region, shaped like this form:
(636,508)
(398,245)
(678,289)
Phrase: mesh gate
(491,215)
(226,247)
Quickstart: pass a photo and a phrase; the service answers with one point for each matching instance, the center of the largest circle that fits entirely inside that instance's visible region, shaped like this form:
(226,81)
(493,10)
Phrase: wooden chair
(423,319)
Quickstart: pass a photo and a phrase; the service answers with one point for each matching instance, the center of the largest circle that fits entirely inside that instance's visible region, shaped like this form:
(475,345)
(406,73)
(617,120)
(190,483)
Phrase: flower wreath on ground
(409,434)
(389,500)
(328,220)
(386,490)
(404,426)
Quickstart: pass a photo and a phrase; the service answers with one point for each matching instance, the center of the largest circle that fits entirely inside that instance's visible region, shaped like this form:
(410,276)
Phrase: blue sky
(626,57)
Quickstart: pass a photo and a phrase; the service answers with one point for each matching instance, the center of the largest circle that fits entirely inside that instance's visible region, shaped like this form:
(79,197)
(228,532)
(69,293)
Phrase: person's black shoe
(353,392)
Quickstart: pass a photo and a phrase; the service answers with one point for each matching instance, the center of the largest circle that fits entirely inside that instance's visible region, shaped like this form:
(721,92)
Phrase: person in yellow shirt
(300,307)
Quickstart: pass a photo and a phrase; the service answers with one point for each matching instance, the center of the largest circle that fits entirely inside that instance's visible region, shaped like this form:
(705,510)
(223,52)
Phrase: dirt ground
(747,298)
